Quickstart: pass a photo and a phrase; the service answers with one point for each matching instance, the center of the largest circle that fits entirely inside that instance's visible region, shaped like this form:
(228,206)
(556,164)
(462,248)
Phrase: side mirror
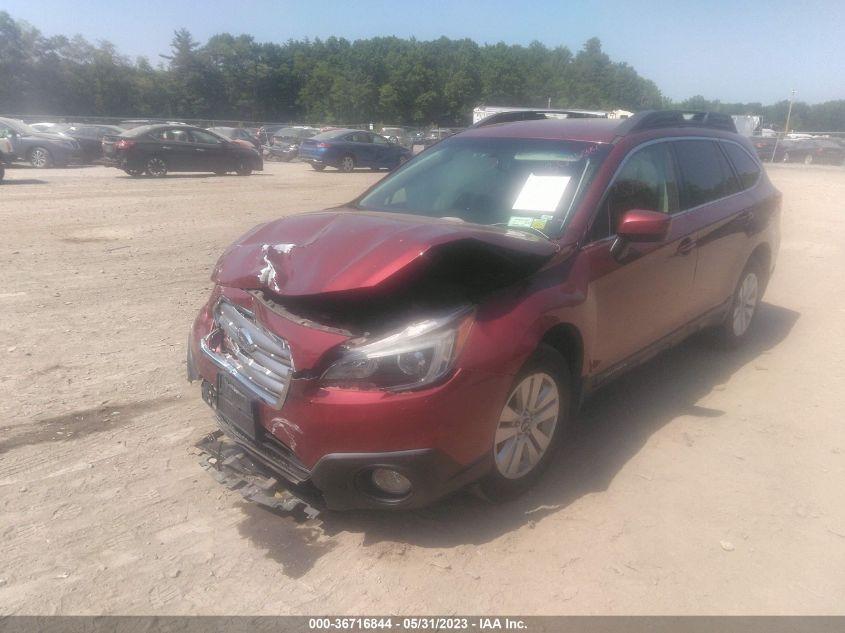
(639,225)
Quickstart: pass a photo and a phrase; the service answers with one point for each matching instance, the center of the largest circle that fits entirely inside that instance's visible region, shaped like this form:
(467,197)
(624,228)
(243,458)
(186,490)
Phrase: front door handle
(686,246)
(166,147)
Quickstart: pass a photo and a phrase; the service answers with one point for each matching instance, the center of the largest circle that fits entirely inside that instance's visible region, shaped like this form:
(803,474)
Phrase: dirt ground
(705,482)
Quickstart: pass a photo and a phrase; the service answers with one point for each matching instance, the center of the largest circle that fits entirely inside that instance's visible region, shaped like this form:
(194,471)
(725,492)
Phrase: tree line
(381,79)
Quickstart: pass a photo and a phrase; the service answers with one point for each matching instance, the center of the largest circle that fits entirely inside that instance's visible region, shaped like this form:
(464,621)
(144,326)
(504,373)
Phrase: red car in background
(443,327)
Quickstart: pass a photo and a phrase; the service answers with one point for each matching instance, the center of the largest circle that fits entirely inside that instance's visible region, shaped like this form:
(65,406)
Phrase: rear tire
(243,169)
(317,167)
(135,173)
(40,157)
(808,159)
(2,172)
(746,299)
(347,164)
(156,167)
(531,425)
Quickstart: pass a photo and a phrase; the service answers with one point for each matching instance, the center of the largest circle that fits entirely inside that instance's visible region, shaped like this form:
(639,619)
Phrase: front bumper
(330,439)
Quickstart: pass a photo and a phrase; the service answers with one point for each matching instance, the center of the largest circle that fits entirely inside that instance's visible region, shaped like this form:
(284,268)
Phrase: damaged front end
(332,342)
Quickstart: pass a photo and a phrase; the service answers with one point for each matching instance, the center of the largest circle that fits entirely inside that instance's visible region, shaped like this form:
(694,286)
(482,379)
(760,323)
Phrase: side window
(204,137)
(705,172)
(359,137)
(380,140)
(746,167)
(171,135)
(646,181)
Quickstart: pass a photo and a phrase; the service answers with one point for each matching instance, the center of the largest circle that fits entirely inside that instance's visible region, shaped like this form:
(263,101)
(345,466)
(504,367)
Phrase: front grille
(255,357)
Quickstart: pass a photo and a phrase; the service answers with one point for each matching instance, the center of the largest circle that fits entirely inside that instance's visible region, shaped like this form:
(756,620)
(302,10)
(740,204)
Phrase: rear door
(718,215)
(173,145)
(643,296)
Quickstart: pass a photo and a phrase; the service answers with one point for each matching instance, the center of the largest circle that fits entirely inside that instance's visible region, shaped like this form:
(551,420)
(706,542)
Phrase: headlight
(417,355)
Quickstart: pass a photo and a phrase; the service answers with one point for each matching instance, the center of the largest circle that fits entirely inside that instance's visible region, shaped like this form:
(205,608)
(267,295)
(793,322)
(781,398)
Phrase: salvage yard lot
(705,482)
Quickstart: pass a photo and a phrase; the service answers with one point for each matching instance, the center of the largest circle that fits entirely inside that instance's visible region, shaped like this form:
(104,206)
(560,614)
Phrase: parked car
(286,141)
(399,135)
(39,149)
(443,327)
(156,150)
(6,153)
(436,135)
(265,133)
(813,150)
(237,133)
(347,149)
(90,138)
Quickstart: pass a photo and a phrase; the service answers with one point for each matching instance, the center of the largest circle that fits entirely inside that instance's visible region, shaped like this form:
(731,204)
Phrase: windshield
(522,183)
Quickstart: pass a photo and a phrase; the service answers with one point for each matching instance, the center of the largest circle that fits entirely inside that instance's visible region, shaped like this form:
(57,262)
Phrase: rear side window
(745,166)
(646,181)
(705,172)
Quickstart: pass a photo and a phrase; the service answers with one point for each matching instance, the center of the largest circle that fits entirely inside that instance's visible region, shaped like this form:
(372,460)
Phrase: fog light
(391,482)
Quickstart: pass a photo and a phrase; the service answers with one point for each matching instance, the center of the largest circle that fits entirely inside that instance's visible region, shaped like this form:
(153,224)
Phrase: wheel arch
(762,254)
(566,339)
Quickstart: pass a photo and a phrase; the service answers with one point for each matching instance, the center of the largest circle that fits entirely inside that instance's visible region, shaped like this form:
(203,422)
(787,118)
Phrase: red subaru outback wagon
(443,327)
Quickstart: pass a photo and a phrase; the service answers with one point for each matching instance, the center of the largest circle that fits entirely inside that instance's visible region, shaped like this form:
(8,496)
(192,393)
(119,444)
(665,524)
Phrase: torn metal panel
(231,466)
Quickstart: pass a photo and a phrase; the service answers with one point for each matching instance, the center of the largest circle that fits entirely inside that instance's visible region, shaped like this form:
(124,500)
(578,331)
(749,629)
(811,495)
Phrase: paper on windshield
(541,194)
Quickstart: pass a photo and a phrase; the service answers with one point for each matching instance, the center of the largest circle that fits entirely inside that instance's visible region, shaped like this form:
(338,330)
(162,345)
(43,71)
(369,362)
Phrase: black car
(812,150)
(159,149)
(237,134)
(39,149)
(90,138)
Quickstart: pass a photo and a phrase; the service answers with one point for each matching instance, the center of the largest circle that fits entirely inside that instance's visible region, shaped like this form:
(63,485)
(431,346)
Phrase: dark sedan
(39,149)
(813,150)
(156,150)
(348,149)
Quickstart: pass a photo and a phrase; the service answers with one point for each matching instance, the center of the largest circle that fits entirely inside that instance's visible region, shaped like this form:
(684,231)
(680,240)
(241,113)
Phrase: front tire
(530,426)
(243,169)
(317,167)
(40,157)
(135,173)
(156,167)
(808,159)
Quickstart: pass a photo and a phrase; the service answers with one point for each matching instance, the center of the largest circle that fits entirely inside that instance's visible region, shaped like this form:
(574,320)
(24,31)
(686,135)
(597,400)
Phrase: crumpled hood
(345,249)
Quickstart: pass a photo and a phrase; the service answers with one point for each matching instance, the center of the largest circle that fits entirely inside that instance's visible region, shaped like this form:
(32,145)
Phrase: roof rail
(651,119)
(528,114)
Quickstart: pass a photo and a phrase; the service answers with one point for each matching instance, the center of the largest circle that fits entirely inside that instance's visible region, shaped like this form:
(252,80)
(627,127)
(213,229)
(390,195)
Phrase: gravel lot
(705,482)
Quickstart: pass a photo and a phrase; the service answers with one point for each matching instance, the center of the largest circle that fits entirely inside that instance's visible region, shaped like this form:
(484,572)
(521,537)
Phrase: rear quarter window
(705,172)
(746,167)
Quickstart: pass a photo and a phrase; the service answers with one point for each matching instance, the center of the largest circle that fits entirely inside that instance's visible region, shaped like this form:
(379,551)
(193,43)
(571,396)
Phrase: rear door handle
(166,147)
(686,246)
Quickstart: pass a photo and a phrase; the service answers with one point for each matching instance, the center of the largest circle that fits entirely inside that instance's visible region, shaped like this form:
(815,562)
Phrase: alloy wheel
(526,426)
(39,157)
(156,167)
(347,163)
(746,303)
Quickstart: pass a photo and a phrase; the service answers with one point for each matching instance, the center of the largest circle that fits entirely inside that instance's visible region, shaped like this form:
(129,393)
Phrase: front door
(209,152)
(641,294)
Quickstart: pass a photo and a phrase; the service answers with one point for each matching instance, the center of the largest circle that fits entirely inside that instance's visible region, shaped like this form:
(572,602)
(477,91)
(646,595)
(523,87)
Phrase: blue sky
(748,50)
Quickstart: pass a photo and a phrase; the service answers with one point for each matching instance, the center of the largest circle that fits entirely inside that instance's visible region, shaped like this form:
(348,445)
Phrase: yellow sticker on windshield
(519,221)
(539,224)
